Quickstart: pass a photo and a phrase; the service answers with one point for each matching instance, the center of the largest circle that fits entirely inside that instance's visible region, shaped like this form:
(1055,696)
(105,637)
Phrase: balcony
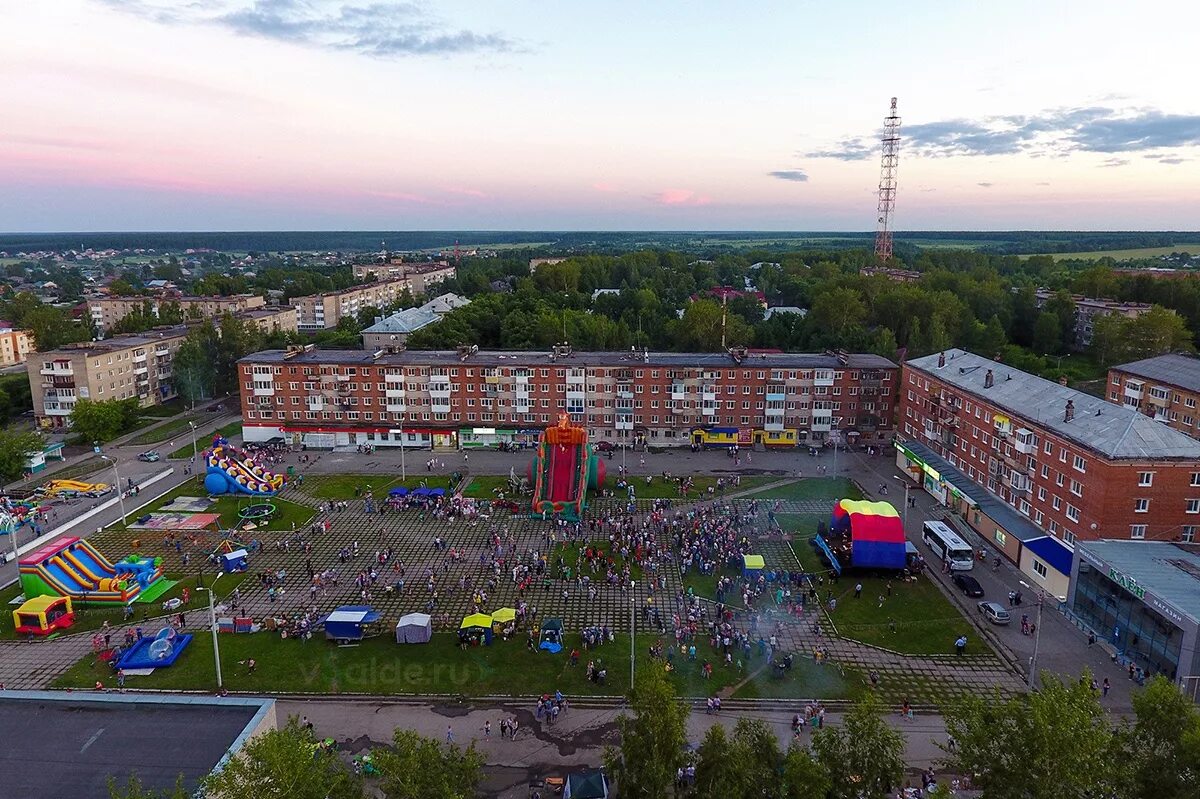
(161,351)
(141,370)
(773,427)
(625,391)
(58,409)
(395,392)
(1024,442)
(391,378)
(58,369)
(822,424)
(576,378)
(396,407)
(264,390)
(823,378)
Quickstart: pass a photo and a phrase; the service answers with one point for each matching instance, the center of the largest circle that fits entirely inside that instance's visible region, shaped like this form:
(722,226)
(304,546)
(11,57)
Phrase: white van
(947,545)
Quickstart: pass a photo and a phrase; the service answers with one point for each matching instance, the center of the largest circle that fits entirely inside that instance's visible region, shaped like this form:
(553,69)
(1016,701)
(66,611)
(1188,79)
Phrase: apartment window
(1077,488)
(1137,531)
(1059,479)
(1072,513)
(1144,479)
(1195,479)
(1039,568)
(1056,503)
(1069,537)
(1080,464)
(1041,495)
(1141,506)
(1188,534)
(1193,506)
(1047,448)
(1038,517)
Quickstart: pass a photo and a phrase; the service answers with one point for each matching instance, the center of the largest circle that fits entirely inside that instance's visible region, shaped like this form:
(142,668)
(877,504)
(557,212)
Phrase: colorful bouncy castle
(231,471)
(863,534)
(564,469)
(74,568)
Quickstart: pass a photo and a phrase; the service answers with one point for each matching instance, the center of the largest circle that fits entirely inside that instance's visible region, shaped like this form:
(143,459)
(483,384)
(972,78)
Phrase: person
(121,679)
(960,646)
(1091,639)
(487,729)
(1105,687)
(449,734)
(858,591)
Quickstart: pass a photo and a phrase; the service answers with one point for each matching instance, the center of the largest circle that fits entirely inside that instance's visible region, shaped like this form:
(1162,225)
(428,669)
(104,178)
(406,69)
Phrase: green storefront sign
(1128,583)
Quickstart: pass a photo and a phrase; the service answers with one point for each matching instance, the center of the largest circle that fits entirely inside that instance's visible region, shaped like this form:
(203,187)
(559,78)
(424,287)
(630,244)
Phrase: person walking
(449,734)
(960,646)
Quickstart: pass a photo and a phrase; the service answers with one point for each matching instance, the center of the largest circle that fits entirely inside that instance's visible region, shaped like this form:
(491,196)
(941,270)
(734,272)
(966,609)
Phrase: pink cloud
(468,192)
(680,197)
(604,186)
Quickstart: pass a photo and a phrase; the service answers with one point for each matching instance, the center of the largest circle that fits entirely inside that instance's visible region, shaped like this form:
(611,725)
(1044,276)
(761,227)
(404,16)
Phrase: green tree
(121,288)
(1052,744)
(652,740)
(15,447)
(132,788)
(50,328)
(884,343)
(1156,332)
(865,755)
(1163,747)
(939,339)
(737,767)
(104,420)
(193,367)
(991,338)
(284,764)
(705,323)
(416,767)
(802,776)
(838,312)
(1047,335)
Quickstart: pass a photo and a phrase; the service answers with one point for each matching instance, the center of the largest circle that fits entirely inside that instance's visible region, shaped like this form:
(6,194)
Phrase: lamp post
(120,493)
(904,510)
(1037,637)
(194,454)
(212,619)
(403,470)
(632,629)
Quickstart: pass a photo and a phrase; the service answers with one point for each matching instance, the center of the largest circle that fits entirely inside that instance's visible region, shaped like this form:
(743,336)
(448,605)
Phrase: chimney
(941,359)
(1070,414)
(988,379)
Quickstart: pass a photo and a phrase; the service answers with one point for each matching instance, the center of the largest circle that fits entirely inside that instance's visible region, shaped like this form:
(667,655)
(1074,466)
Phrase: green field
(165,431)
(352,486)
(1124,255)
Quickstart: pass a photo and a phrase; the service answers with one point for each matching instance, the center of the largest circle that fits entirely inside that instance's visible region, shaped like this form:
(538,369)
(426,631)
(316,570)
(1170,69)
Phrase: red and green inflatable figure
(563,470)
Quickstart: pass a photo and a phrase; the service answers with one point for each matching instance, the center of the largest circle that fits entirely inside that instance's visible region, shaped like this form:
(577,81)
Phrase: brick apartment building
(420,276)
(272,319)
(134,365)
(1034,466)
(1088,309)
(328,398)
(1166,388)
(324,311)
(107,311)
(15,345)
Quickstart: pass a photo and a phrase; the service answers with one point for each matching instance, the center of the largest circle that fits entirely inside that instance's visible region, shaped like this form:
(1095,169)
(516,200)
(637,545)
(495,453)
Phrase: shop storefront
(1143,598)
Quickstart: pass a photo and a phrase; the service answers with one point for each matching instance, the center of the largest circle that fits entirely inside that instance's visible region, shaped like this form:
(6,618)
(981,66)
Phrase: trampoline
(257,512)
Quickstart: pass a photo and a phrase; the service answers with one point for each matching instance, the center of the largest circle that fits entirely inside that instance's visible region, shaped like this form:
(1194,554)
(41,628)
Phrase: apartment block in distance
(324,311)
(331,398)
(135,365)
(15,345)
(107,311)
(1034,466)
(1166,388)
(420,276)
(272,319)
(1088,309)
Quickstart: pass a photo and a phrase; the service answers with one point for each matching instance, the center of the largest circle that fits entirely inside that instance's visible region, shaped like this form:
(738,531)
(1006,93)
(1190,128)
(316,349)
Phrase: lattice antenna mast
(887,184)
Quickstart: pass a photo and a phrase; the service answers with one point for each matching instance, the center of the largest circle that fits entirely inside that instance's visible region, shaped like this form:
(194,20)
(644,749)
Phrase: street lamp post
(632,629)
(904,510)
(212,619)
(194,453)
(1037,637)
(403,470)
(120,492)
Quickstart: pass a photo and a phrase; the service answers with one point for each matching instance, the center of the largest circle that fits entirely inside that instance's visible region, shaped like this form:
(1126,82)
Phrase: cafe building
(1143,599)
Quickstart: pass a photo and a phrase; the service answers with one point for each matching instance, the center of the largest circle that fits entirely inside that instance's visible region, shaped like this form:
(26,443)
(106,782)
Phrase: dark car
(605,446)
(968,585)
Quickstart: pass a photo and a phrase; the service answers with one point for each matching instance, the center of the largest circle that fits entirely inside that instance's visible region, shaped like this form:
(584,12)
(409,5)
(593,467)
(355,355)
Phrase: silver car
(995,612)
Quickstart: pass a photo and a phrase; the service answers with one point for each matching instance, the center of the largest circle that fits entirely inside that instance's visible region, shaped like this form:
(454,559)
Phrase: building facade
(272,319)
(1088,309)
(327,398)
(1166,388)
(107,311)
(121,367)
(419,276)
(1075,466)
(324,311)
(15,345)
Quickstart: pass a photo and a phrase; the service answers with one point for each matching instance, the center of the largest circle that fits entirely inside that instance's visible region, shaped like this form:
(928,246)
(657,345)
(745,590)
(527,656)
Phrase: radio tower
(887,184)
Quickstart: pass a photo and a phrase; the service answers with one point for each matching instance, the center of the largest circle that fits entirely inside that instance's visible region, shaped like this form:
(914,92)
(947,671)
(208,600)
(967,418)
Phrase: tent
(415,628)
(437,492)
(552,636)
(752,565)
(398,491)
(476,629)
(234,561)
(504,615)
(421,492)
(586,785)
(875,530)
(351,623)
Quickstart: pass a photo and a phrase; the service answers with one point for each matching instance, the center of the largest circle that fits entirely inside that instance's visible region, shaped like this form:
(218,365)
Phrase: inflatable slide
(563,471)
(231,471)
(73,567)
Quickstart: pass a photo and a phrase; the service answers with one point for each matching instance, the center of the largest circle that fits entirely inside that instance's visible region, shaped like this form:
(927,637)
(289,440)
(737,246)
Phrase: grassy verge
(819,488)
(381,666)
(165,410)
(164,432)
(90,618)
(658,488)
(228,431)
(352,486)
(484,486)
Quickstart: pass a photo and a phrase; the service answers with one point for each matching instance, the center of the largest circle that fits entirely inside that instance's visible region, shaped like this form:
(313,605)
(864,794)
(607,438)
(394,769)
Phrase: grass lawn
(925,621)
(662,489)
(228,431)
(571,558)
(484,486)
(381,666)
(91,618)
(166,431)
(830,488)
(343,486)
(164,410)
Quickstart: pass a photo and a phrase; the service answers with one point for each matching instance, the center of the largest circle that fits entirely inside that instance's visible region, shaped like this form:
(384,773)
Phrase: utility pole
(1037,638)
(212,618)
(632,629)
(120,491)
(195,455)
(904,510)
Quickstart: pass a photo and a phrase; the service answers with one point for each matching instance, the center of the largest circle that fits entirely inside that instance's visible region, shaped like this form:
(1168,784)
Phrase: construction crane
(887,184)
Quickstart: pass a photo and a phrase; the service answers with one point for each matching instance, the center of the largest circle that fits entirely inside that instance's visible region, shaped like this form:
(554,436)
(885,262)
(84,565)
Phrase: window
(1077,488)
(1047,448)
(1039,568)
(1056,503)
(1072,513)
(1193,506)
(1080,464)
(1137,531)
(1195,478)
(1069,537)
(1188,534)
(1141,506)
(1144,479)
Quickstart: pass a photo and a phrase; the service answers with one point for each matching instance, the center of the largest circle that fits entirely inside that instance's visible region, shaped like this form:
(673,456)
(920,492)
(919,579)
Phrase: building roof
(709,360)
(776,310)
(119,342)
(1169,571)
(403,322)
(1176,370)
(445,303)
(1057,554)
(1115,431)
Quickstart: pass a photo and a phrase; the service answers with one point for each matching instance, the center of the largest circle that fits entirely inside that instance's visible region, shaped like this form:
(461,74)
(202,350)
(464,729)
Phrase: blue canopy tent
(552,636)
(437,492)
(398,491)
(351,623)
(421,492)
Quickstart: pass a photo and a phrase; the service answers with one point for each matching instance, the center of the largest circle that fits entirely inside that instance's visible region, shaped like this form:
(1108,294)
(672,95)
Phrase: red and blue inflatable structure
(863,535)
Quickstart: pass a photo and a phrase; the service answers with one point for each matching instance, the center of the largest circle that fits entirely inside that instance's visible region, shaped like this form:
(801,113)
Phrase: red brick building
(1166,388)
(329,398)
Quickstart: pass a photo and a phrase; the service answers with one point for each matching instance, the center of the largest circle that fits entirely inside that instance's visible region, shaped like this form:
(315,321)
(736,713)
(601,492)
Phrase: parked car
(995,612)
(968,584)
(605,446)
(150,456)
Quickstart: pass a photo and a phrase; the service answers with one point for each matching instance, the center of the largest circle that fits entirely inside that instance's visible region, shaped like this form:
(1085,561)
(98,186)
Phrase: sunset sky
(516,114)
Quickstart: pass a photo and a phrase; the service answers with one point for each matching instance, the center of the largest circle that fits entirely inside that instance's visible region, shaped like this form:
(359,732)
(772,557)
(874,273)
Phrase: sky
(608,115)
